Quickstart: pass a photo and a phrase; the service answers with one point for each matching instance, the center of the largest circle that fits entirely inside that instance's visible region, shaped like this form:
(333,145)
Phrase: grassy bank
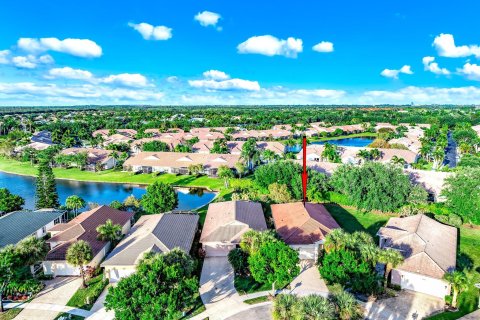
(112,176)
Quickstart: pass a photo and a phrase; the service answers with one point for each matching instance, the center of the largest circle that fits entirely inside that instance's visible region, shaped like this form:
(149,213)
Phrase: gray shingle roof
(20,224)
(154,233)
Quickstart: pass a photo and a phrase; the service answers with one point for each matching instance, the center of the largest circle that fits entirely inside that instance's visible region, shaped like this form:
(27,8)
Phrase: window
(56,221)
(44,229)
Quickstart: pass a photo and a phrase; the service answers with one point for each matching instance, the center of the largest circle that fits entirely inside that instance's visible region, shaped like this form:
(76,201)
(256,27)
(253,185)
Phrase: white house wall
(420,283)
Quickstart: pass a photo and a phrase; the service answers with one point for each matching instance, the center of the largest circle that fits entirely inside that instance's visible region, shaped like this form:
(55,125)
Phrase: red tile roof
(83,227)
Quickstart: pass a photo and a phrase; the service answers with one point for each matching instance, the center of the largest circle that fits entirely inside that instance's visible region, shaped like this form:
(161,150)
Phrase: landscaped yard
(24,168)
(84,298)
(9,314)
(468,254)
(246,285)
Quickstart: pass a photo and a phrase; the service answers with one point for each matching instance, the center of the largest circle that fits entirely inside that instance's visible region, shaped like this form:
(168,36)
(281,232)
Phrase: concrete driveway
(309,281)
(56,292)
(408,305)
(216,280)
(263,312)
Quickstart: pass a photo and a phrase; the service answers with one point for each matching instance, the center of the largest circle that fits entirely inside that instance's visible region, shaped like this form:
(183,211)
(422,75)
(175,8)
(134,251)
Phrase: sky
(201,52)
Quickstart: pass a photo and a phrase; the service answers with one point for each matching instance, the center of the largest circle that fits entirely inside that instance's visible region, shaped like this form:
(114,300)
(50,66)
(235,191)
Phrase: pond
(101,193)
(360,142)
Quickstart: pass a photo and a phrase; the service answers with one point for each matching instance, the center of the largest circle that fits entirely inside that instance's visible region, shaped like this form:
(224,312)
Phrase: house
(303,227)
(17,225)
(105,133)
(432,181)
(96,158)
(179,162)
(157,233)
(137,145)
(83,227)
(429,248)
(235,147)
(477,129)
(226,222)
(43,137)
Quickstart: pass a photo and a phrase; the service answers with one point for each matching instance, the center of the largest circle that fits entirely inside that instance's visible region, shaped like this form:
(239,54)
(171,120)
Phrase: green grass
(246,285)
(352,220)
(95,287)
(69,316)
(355,135)
(10,314)
(256,300)
(24,168)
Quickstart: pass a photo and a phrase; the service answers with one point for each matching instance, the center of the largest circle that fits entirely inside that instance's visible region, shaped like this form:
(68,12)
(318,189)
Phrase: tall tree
(75,203)
(160,197)
(46,189)
(226,174)
(459,282)
(32,250)
(391,258)
(79,254)
(8,261)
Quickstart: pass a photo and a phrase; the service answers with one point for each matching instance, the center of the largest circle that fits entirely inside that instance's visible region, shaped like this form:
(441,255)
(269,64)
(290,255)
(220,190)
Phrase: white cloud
(30,61)
(430,65)
(84,48)
(172,79)
(4,56)
(86,93)
(323,46)
(271,46)
(392,73)
(135,80)
(225,85)
(216,75)
(208,18)
(150,32)
(471,71)
(445,46)
(69,73)
(319,93)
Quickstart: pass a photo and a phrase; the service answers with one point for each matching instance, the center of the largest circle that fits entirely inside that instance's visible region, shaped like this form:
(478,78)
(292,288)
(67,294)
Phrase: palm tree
(348,307)
(226,174)
(391,258)
(109,231)
(79,254)
(330,153)
(336,240)
(75,203)
(283,306)
(425,151)
(268,155)
(375,154)
(459,282)
(314,307)
(241,169)
(438,156)
(33,250)
(252,239)
(364,154)
(250,153)
(369,252)
(397,160)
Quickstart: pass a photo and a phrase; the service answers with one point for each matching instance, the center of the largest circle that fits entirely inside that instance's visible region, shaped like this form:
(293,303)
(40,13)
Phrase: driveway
(216,281)
(263,312)
(408,305)
(309,281)
(57,292)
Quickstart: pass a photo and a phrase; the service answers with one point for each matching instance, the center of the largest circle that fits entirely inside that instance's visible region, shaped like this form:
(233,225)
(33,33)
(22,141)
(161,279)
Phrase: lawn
(84,298)
(24,168)
(246,285)
(355,135)
(256,300)
(10,314)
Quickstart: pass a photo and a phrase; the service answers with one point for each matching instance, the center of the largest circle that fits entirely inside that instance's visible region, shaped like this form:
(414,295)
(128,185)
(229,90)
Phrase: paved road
(407,306)
(262,312)
(51,299)
(450,152)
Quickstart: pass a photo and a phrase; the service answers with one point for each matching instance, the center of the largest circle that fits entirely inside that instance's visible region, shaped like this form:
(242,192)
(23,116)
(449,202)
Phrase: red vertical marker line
(304,173)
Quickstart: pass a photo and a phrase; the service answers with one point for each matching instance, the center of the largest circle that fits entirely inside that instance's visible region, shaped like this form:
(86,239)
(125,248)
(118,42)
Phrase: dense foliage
(46,189)
(10,202)
(163,287)
(463,194)
(160,197)
(373,186)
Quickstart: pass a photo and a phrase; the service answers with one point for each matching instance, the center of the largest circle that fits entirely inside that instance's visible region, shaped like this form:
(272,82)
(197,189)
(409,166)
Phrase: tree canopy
(10,202)
(160,197)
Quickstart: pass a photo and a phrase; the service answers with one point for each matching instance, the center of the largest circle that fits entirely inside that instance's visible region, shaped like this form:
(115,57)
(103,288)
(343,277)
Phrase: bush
(450,219)
(239,261)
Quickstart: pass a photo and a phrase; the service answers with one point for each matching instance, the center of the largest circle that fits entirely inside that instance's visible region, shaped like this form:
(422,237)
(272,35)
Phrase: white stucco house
(225,224)
(303,227)
(429,248)
(83,227)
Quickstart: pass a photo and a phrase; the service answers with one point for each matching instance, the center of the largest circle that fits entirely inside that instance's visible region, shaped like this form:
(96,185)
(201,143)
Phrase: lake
(98,192)
(360,142)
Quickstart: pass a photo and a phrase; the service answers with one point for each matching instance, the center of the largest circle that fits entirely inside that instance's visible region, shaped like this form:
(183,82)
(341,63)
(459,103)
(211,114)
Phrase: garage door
(423,284)
(218,250)
(117,274)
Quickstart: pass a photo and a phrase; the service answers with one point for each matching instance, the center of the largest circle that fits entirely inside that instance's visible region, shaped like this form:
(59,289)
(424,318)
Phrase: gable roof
(159,233)
(83,227)
(227,221)
(18,225)
(298,224)
(429,247)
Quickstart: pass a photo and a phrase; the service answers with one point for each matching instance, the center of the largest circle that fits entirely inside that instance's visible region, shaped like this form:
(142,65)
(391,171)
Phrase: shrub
(451,219)
(239,261)
(283,306)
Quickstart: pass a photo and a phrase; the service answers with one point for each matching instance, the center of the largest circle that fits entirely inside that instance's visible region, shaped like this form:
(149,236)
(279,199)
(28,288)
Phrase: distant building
(17,225)
(96,158)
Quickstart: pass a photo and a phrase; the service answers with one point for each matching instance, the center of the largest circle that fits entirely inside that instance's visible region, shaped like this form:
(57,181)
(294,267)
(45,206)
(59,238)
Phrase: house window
(44,229)
(56,221)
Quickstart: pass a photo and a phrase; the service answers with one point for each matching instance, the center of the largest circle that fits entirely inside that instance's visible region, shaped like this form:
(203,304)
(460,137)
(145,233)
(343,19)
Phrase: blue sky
(239,52)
